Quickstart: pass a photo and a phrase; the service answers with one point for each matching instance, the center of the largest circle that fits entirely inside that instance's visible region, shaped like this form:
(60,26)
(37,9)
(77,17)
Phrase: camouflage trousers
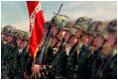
(4,70)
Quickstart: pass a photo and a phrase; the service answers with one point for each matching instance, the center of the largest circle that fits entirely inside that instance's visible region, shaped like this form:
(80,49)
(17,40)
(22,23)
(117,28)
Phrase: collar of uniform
(5,42)
(55,50)
(68,50)
(114,52)
(20,50)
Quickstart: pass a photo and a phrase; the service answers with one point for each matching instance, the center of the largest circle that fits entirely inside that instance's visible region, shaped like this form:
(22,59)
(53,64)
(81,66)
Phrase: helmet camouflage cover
(7,29)
(20,34)
(26,35)
(60,20)
(83,23)
(12,32)
(112,27)
(102,29)
(70,24)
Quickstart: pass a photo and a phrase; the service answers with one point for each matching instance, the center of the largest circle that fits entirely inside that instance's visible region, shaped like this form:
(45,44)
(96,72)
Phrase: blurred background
(15,12)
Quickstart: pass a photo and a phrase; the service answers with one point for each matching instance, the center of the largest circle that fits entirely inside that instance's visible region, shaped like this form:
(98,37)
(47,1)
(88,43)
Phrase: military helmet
(98,28)
(10,27)
(7,28)
(83,23)
(102,29)
(93,27)
(12,32)
(113,30)
(69,24)
(26,35)
(73,30)
(104,34)
(112,27)
(113,22)
(20,34)
(60,20)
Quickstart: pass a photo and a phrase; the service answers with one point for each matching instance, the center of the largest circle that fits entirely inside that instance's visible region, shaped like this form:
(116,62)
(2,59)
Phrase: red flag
(36,24)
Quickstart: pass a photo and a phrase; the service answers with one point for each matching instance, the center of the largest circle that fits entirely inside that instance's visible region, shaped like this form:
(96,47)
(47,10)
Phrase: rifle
(47,38)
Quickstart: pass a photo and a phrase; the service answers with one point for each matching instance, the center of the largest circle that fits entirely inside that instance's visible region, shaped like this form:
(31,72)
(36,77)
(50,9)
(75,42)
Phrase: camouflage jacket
(96,64)
(82,64)
(72,60)
(109,71)
(58,69)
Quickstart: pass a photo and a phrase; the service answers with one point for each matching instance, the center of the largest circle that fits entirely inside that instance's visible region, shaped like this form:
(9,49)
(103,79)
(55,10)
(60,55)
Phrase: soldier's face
(54,30)
(98,41)
(107,49)
(61,34)
(5,37)
(19,42)
(25,43)
(111,39)
(73,40)
(90,38)
(10,39)
(67,35)
(2,36)
(78,33)
(53,41)
(85,40)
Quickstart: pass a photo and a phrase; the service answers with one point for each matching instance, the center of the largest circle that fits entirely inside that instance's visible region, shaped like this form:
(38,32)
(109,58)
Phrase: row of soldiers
(81,49)
(78,49)
(14,52)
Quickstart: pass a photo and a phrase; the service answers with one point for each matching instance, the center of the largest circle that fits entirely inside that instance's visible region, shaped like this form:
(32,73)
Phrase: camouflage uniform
(50,56)
(7,50)
(23,57)
(58,69)
(72,60)
(98,59)
(93,55)
(50,52)
(81,67)
(4,66)
(109,70)
(82,24)
(17,56)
